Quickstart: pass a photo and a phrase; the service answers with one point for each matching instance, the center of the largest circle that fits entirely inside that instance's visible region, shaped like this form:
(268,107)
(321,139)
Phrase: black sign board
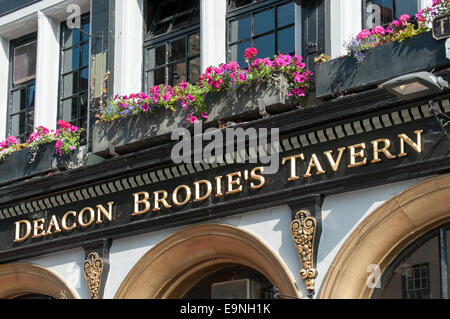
(441,27)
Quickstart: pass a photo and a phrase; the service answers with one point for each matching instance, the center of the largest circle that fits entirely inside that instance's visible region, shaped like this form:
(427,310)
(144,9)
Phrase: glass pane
(85,55)
(71,59)
(379,12)
(240,29)
(405,7)
(194,44)
(18,124)
(167,9)
(84,80)
(156,57)
(418,275)
(31,93)
(18,100)
(188,5)
(177,73)
(156,77)
(238,51)
(177,49)
(24,62)
(286,41)
(181,21)
(264,21)
(194,70)
(238,3)
(86,28)
(69,109)
(68,38)
(161,28)
(70,84)
(83,105)
(286,14)
(265,46)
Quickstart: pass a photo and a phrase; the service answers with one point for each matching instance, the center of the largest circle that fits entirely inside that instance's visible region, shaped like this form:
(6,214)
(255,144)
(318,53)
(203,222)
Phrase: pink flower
(64,125)
(404,18)
(396,23)
(11,140)
(183,85)
(242,77)
(204,115)
(378,30)
(193,119)
(364,34)
(250,53)
(73,129)
(190,98)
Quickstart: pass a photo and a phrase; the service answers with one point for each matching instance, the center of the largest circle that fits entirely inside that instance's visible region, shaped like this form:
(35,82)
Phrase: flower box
(135,132)
(24,164)
(344,75)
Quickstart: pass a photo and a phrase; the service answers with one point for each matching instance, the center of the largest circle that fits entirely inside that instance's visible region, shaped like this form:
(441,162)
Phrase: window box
(20,164)
(344,75)
(135,132)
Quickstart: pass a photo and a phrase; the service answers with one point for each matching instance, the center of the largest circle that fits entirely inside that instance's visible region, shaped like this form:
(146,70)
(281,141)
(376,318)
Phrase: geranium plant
(227,76)
(66,139)
(398,30)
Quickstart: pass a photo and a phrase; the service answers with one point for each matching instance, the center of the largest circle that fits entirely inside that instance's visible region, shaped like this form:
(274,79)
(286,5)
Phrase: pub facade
(343,193)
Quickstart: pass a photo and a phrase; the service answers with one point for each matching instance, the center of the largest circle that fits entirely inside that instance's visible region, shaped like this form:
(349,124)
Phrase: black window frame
(80,116)
(165,39)
(257,6)
(23,85)
(394,13)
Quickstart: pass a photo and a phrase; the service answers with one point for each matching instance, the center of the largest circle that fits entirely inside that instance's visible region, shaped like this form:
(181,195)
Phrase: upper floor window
(269,26)
(382,12)
(172,46)
(74,72)
(22,87)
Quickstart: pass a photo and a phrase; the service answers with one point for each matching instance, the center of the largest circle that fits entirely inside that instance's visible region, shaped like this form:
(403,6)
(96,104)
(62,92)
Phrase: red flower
(64,125)
(250,53)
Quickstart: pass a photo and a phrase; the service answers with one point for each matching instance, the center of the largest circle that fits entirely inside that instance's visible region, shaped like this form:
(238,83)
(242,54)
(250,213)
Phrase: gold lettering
(64,221)
(106,213)
(175,195)
(197,186)
(138,201)
(53,224)
(91,217)
(293,165)
(335,164)
(314,163)
(232,182)
(162,200)
(18,238)
(384,150)
(260,178)
(416,146)
(38,228)
(354,155)
(219,186)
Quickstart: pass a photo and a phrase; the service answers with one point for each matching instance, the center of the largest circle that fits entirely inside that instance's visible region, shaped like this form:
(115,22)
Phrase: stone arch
(384,234)
(171,268)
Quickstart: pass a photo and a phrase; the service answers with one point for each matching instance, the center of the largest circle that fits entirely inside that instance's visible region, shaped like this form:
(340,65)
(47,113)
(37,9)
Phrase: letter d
(17,238)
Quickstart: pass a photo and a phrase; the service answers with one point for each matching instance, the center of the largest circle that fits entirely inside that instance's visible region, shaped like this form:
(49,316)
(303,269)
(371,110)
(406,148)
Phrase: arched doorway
(25,281)
(182,262)
(384,235)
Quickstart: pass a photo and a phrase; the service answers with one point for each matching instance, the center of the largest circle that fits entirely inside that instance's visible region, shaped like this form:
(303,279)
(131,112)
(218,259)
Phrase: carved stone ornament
(93,269)
(303,230)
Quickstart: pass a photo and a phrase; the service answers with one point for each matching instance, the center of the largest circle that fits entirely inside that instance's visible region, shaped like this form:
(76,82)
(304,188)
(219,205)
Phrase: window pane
(84,80)
(286,41)
(18,100)
(194,44)
(156,77)
(24,62)
(18,124)
(237,53)
(240,29)
(194,70)
(238,3)
(181,21)
(405,7)
(85,55)
(379,12)
(286,14)
(83,103)
(68,38)
(161,28)
(69,109)
(418,275)
(177,49)
(86,28)
(264,21)
(156,57)
(71,59)
(70,84)
(31,92)
(177,73)
(265,46)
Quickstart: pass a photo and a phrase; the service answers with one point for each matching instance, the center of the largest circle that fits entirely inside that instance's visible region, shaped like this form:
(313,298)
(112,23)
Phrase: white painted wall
(128,57)
(4,77)
(212,33)
(47,72)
